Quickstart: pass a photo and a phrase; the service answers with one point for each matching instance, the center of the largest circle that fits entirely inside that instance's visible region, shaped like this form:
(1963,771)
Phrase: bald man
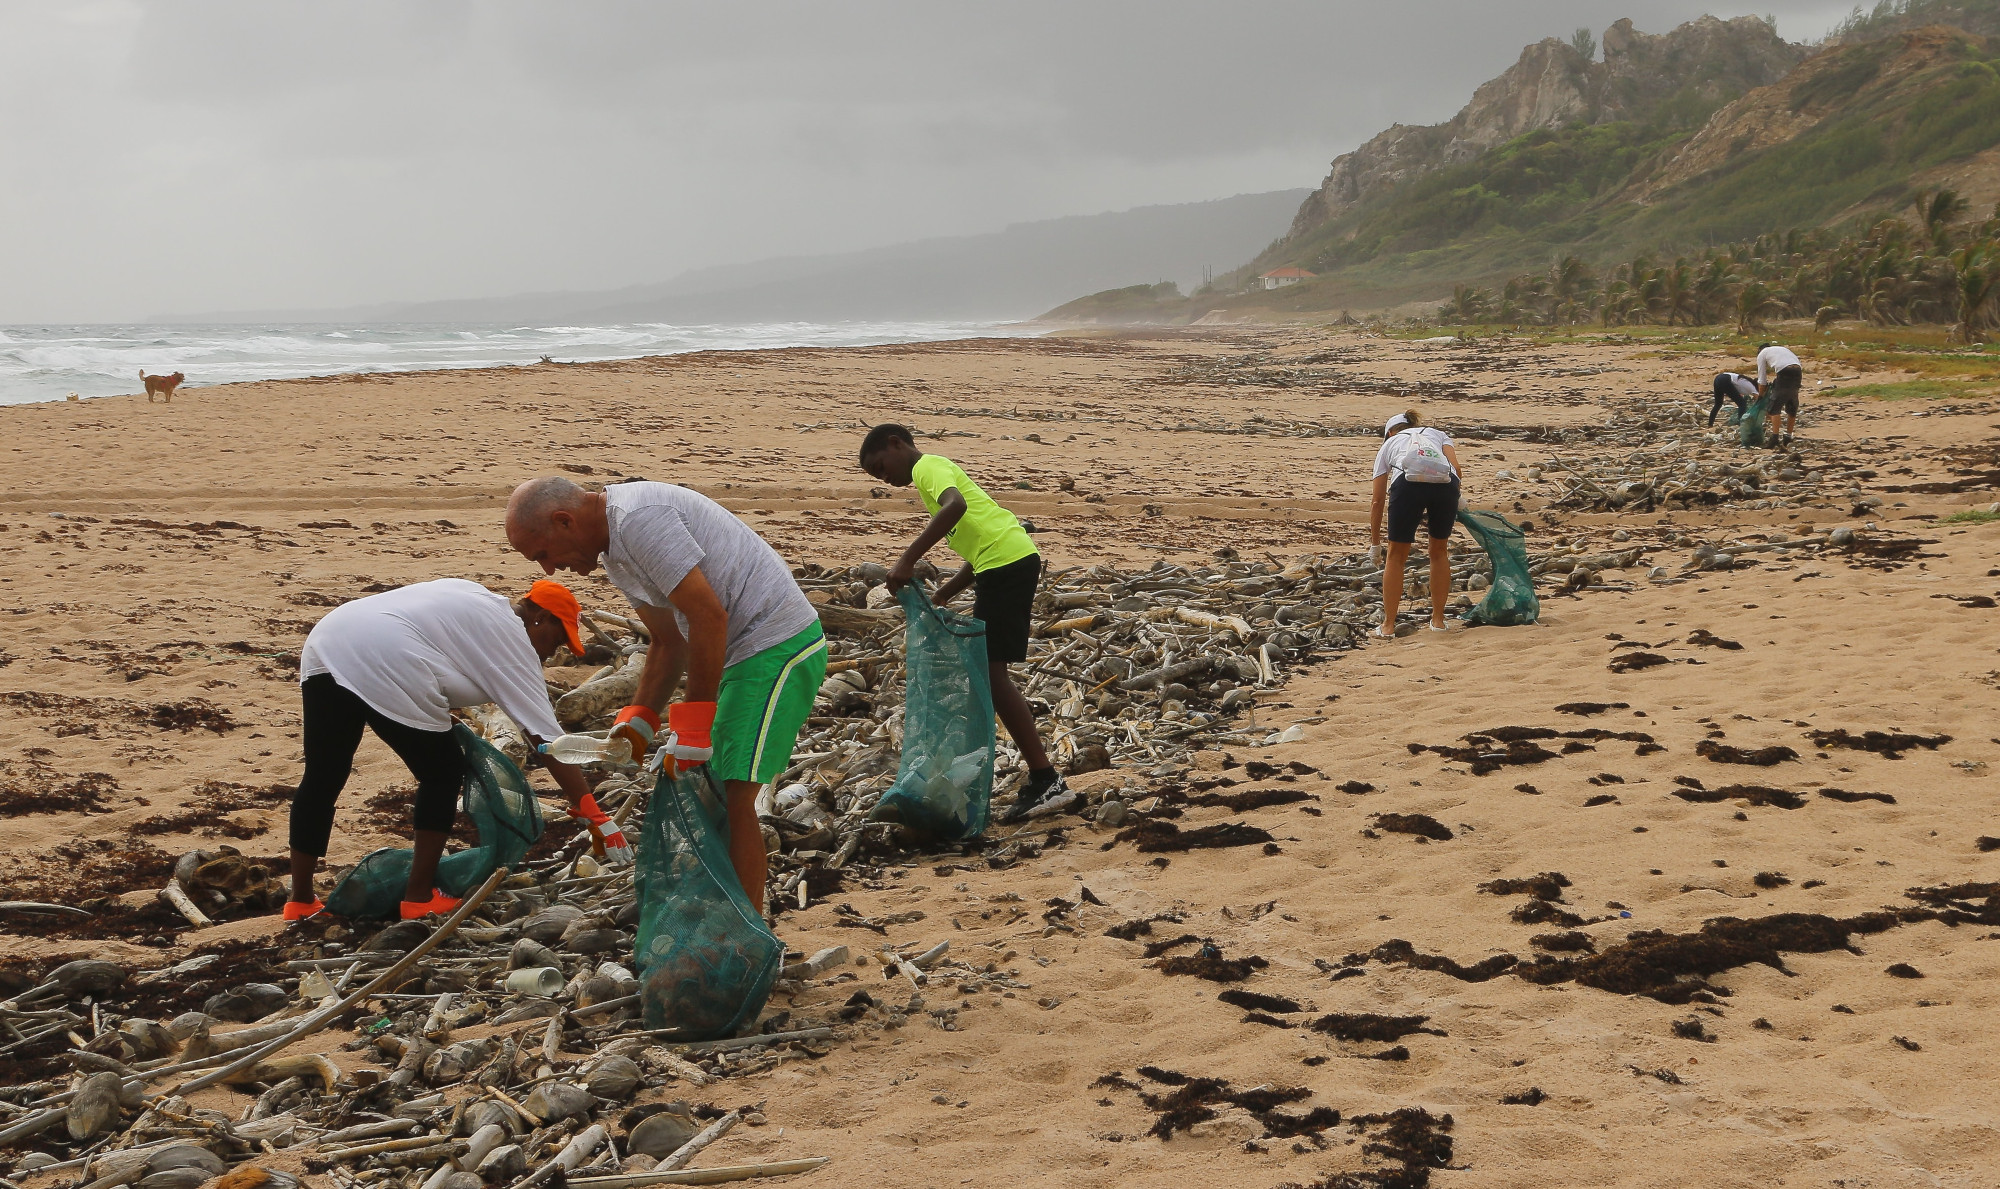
(723,611)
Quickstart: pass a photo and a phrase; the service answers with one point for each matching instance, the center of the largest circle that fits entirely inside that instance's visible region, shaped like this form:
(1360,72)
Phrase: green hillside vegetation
(1562,192)
(1134,303)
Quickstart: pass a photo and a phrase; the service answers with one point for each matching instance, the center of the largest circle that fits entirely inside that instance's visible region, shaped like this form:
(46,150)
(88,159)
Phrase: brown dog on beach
(161,385)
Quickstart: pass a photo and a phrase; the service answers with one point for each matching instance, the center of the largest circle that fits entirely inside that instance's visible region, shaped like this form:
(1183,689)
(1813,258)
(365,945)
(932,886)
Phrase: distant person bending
(1417,476)
(1732,386)
(1780,373)
(398,663)
(1002,566)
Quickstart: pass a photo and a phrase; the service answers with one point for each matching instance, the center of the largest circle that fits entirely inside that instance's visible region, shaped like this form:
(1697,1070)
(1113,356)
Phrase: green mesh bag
(1750,431)
(1511,600)
(503,810)
(706,959)
(944,781)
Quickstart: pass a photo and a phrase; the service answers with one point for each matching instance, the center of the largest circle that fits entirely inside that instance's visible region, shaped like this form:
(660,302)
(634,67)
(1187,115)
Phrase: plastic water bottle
(587,749)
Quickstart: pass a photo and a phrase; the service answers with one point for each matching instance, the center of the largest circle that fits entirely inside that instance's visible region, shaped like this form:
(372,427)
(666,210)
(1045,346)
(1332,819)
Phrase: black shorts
(1785,391)
(1413,503)
(1004,599)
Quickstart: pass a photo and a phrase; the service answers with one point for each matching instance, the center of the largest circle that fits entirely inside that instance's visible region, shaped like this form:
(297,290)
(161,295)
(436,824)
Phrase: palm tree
(1936,211)
(1677,291)
(1753,301)
(1978,274)
(1468,305)
(1569,281)
(1711,288)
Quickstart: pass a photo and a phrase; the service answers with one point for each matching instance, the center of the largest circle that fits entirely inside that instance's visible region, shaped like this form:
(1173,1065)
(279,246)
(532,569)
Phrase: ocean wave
(48,362)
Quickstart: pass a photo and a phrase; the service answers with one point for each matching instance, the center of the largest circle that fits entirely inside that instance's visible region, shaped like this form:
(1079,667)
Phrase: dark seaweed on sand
(1704,638)
(1155,948)
(1676,967)
(1155,836)
(1633,661)
(1568,943)
(1413,823)
(1253,1001)
(1903,970)
(1411,1142)
(1542,912)
(1591,707)
(1250,799)
(1193,1100)
(1214,969)
(1851,798)
(1355,788)
(1137,927)
(1756,794)
(1488,759)
(1546,886)
(1763,757)
(1532,1096)
(1987,843)
(1398,952)
(1889,745)
(1770,879)
(1367,1026)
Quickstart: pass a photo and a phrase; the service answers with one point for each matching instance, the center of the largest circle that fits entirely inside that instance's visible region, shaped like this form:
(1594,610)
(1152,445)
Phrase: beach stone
(1841,537)
(614,1078)
(1113,814)
(95,1107)
(595,941)
(1092,758)
(630,1165)
(532,1009)
(399,938)
(503,1163)
(660,1135)
(192,1156)
(176,1178)
(485,1112)
(548,925)
(529,953)
(251,1001)
(552,1101)
(35,1161)
(461,1180)
(188,1023)
(86,976)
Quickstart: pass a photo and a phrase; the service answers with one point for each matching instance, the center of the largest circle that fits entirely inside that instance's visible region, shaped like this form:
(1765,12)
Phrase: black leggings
(334,716)
(1725,389)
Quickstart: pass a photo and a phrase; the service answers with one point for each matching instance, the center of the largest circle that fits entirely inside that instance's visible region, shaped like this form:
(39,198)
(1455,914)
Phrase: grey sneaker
(1041,799)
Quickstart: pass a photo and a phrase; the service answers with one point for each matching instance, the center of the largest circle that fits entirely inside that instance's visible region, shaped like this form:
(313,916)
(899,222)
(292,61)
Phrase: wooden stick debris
(719,1175)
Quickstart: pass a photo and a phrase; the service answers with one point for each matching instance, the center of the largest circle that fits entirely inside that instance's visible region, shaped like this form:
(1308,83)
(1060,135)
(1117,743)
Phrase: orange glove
(689,724)
(616,849)
(636,725)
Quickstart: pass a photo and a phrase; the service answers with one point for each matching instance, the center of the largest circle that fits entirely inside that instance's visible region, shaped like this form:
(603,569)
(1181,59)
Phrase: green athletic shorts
(763,704)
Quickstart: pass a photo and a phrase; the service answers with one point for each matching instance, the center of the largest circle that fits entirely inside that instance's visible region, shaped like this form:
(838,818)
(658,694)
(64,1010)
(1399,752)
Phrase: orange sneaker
(295,911)
(438,904)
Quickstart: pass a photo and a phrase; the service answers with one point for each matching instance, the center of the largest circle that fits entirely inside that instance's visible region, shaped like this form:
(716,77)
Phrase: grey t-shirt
(659,532)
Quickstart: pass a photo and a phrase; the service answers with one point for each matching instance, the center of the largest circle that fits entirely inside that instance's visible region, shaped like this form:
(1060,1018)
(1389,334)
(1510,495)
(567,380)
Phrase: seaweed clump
(1676,967)
(1421,824)
(1762,757)
(1398,952)
(1890,745)
(1411,1142)
(1194,1100)
(1156,836)
(1368,1026)
(1755,794)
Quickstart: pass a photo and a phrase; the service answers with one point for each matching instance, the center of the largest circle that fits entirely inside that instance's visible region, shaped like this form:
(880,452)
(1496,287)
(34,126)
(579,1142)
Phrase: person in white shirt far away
(1732,386)
(1417,478)
(1779,372)
(398,663)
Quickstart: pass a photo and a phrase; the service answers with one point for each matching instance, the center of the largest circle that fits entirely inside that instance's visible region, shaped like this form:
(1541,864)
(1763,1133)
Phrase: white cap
(1394,423)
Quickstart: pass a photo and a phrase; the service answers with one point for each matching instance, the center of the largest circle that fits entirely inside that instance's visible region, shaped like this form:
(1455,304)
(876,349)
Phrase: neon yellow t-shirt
(987,535)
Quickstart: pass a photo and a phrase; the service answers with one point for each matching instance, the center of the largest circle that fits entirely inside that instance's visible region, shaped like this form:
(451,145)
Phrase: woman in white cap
(1417,477)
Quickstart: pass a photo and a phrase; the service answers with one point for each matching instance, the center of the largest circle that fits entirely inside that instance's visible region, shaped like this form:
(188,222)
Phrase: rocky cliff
(1706,61)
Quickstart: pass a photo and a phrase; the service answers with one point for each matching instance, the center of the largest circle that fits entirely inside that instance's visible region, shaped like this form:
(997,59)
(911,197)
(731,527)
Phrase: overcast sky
(200,155)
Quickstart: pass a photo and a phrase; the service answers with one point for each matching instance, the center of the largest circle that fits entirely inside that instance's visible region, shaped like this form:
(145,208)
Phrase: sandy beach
(163,563)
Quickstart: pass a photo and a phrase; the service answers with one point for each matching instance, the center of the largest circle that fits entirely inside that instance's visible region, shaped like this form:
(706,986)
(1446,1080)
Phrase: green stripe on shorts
(763,704)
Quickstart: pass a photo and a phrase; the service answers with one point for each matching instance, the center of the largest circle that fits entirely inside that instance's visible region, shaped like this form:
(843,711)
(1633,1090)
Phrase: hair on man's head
(882,435)
(1762,346)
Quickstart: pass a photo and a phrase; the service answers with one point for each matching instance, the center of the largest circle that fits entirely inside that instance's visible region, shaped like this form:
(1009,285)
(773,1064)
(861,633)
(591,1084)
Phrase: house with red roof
(1278,278)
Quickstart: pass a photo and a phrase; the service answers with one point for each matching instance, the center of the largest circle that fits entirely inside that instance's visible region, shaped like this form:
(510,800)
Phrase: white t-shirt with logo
(1745,386)
(417,652)
(1390,456)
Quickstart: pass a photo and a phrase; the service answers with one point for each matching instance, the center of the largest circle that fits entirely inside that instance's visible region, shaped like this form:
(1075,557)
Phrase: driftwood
(720,1175)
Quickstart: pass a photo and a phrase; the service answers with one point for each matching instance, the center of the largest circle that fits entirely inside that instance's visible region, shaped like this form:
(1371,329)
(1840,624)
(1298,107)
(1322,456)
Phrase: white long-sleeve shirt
(417,652)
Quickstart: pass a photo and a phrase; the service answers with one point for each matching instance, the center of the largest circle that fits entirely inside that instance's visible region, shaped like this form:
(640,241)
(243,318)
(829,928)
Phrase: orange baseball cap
(555,598)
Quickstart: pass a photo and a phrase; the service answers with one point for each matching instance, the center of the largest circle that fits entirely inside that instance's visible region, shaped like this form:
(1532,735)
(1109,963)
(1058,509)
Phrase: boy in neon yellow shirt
(1001,565)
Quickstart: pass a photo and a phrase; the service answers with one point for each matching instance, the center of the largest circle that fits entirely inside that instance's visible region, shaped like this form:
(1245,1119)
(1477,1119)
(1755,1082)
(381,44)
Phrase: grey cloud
(202,154)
